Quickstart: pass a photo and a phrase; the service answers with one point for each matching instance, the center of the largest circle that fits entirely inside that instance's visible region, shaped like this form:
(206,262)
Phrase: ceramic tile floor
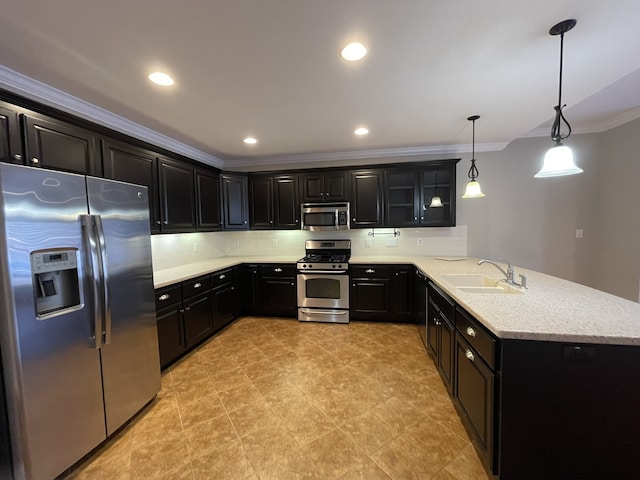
(281,399)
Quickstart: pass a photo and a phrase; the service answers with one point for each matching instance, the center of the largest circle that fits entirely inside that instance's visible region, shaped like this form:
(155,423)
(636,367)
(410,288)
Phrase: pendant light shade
(473,187)
(558,160)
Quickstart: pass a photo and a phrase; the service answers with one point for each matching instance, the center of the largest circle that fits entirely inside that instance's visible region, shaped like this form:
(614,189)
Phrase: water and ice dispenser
(55,281)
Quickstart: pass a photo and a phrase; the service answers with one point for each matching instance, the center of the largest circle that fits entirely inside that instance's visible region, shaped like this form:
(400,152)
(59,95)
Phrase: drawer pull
(35,161)
(370,270)
(164,296)
(222,277)
(471,332)
(197,285)
(278,270)
(470,356)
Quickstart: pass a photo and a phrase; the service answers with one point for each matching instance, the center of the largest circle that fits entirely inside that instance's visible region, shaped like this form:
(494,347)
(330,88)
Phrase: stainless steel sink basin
(476,283)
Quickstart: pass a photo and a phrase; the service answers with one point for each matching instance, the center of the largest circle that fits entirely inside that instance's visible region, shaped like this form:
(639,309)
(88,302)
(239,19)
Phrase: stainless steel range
(323,281)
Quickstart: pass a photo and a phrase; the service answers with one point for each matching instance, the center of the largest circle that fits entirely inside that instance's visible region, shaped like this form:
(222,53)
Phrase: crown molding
(33,89)
(365,154)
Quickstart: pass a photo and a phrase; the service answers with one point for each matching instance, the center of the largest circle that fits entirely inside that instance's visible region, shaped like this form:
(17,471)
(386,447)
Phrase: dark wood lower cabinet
(171,340)
(278,293)
(381,293)
(475,384)
(198,319)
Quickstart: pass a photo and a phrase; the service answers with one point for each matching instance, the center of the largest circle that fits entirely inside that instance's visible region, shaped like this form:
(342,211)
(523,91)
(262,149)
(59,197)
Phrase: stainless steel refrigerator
(78,336)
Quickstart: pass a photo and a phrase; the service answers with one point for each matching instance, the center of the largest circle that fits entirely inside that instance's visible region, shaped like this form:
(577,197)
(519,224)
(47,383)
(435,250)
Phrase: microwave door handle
(337,218)
(91,264)
(105,279)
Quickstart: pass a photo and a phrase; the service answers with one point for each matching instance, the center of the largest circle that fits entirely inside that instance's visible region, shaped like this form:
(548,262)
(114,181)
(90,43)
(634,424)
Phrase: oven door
(323,290)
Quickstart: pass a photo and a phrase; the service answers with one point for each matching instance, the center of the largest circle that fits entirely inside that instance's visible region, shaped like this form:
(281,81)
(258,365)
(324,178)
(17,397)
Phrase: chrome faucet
(508,274)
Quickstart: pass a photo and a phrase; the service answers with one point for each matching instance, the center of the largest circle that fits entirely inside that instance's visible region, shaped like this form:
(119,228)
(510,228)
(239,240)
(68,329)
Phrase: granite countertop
(551,309)
(169,276)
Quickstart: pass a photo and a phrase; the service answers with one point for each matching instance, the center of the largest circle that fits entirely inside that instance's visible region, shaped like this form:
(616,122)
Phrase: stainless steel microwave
(320,217)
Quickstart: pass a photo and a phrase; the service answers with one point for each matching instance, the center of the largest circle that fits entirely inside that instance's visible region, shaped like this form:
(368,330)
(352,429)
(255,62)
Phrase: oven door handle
(323,312)
(308,272)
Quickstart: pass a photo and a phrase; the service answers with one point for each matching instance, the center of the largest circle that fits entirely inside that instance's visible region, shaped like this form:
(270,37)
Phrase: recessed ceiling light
(250,140)
(354,51)
(161,78)
(361,131)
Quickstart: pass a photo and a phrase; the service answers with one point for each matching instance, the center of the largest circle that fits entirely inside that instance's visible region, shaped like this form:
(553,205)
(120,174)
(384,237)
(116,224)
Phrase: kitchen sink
(476,283)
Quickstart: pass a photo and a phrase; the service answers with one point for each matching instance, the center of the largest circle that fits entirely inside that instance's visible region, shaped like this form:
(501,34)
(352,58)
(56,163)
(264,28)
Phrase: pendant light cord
(473,171)
(556,135)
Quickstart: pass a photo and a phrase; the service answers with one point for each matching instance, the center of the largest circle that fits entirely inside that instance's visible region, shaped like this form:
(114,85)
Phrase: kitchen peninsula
(556,394)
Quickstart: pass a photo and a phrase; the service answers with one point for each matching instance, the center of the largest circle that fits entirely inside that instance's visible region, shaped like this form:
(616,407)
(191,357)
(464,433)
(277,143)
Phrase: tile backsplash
(177,249)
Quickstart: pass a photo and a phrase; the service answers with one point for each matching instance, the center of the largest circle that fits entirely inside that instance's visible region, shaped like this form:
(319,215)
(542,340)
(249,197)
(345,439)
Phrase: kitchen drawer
(370,271)
(278,270)
(196,286)
(477,337)
(442,302)
(221,277)
(167,296)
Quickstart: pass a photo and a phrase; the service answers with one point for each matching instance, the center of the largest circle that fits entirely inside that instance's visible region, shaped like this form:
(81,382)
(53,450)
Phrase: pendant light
(558,160)
(436,201)
(473,187)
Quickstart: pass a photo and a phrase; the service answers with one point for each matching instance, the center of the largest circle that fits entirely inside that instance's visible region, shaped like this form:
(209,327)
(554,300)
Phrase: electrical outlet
(196,248)
(579,233)
(420,242)
(392,242)
(274,243)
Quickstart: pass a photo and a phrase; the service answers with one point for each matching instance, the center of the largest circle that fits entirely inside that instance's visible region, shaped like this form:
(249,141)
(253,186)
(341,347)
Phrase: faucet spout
(508,273)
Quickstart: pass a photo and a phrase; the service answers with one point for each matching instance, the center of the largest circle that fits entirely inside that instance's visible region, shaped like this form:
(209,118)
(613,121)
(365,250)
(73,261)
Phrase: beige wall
(617,254)
(532,222)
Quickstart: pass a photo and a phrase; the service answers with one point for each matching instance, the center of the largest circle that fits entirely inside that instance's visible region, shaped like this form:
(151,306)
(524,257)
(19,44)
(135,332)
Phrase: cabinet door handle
(471,332)
(278,270)
(35,161)
(370,270)
(166,222)
(158,222)
(233,288)
(222,277)
(164,296)
(197,285)
(182,310)
(435,320)
(188,308)
(297,221)
(270,221)
(17,156)
(292,284)
(469,355)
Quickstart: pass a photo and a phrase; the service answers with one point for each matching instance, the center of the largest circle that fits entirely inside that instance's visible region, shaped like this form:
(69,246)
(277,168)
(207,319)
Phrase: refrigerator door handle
(106,304)
(92,260)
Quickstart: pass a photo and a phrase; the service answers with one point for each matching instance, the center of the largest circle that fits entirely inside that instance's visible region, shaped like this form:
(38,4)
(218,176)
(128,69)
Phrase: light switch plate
(392,242)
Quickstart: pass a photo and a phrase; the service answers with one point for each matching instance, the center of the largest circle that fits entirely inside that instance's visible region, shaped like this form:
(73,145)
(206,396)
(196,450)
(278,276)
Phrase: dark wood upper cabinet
(234,201)
(177,196)
(10,143)
(126,163)
(261,202)
(439,179)
(325,186)
(367,198)
(208,212)
(286,202)
(60,146)
(402,197)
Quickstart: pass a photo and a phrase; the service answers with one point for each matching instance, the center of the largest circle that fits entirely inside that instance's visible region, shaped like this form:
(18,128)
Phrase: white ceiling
(271,69)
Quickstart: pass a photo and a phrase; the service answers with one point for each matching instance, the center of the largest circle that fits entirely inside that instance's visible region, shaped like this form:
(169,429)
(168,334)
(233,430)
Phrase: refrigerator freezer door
(52,374)
(130,358)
